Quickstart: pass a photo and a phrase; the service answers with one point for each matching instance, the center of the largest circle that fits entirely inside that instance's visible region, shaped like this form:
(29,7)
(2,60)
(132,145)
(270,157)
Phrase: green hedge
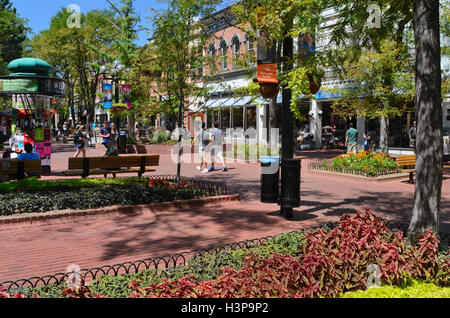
(34,196)
(413,290)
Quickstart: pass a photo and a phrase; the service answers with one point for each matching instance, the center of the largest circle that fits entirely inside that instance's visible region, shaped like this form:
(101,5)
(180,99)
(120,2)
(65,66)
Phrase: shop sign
(267,73)
(19,85)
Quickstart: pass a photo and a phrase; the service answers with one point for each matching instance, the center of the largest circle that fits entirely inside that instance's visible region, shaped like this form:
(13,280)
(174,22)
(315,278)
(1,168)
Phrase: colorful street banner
(126,95)
(108,99)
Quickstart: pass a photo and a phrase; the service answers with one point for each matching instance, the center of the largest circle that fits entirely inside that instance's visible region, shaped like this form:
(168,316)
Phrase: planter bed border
(317,168)
(71,216)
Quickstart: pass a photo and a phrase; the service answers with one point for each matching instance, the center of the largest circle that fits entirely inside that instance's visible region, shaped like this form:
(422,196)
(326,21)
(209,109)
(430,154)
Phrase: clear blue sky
(39,12)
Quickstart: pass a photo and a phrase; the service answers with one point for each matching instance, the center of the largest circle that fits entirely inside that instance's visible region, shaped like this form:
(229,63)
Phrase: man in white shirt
(217,147)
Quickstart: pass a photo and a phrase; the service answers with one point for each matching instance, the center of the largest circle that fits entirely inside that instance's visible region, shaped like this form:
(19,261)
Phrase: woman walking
(79,139)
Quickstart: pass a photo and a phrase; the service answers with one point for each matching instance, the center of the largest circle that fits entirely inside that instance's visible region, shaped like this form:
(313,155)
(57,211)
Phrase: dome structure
(29,66)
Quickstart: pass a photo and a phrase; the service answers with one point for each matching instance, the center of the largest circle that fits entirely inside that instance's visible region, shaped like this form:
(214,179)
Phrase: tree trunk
(384,134)
(429,143)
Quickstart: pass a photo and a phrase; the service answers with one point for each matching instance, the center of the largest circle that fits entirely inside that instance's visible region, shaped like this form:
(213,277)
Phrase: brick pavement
(50,249)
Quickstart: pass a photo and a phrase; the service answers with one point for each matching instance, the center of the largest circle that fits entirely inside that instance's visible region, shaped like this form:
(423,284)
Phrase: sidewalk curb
(73,216)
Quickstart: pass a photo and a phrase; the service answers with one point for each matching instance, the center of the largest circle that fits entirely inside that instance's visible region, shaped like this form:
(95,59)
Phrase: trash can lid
(269,159)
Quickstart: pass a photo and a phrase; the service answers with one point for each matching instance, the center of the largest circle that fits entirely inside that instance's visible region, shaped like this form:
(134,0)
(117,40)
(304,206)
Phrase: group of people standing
(109,133)
(210,142)
(351,138)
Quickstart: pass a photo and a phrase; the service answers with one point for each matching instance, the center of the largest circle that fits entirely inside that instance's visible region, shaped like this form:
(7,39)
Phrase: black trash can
(290,183)
(270,179)
(122,143)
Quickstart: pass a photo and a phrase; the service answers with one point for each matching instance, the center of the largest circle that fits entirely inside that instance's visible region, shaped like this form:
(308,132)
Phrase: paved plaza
(39,251)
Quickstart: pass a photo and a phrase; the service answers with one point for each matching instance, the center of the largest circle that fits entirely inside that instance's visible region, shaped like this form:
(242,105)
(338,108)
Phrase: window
(223,49)
(212,58)
(250,45)
(236,47)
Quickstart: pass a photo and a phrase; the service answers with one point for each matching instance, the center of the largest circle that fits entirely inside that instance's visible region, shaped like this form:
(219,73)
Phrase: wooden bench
(85,167)
(11,169)
(407,163)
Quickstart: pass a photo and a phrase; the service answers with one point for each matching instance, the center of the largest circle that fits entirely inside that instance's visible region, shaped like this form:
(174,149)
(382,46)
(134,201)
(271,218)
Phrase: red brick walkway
(50,249)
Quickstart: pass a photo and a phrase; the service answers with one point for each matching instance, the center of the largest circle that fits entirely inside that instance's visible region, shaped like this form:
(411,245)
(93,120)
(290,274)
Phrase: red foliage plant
(329,263)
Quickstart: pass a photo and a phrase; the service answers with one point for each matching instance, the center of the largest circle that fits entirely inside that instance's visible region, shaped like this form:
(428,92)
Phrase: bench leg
(114,176)
(411,177)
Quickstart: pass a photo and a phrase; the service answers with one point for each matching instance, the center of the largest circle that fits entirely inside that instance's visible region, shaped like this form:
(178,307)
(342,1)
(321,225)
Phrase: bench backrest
(13,166)
(406,160)
(113,162)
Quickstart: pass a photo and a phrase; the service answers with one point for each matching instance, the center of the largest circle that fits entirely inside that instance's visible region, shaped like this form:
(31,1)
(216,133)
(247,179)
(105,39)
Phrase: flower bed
(34,196)
(365,163)
(319,263)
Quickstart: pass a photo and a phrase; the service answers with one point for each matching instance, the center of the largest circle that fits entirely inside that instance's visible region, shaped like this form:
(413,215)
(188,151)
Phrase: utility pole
(287,123)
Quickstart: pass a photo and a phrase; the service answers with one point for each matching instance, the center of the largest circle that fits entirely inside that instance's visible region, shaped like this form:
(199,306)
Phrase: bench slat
(11,166)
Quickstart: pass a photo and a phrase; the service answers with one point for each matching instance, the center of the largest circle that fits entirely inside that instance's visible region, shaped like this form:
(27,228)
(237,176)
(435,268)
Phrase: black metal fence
(172,261)
(322,167)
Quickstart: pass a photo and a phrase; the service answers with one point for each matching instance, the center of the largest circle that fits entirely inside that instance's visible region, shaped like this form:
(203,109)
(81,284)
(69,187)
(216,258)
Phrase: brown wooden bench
(407,163)
(85,167)
(12,169)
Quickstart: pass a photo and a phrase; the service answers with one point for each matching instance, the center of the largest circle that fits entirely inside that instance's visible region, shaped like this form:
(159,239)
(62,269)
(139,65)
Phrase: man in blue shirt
(105,133)
(29,154)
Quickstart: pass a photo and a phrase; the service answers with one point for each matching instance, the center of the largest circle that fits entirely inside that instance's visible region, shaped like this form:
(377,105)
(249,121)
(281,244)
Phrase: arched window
(223,51)
(250,46)
(212,57)
(236,47)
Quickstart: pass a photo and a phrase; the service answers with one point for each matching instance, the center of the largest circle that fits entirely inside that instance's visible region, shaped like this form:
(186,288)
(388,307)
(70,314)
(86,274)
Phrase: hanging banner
(126,95)
(39,134)
(108,99)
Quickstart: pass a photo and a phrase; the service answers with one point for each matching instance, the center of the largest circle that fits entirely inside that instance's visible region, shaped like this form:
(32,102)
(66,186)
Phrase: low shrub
(369,163)
(328,264)
(34,196)
(413,290)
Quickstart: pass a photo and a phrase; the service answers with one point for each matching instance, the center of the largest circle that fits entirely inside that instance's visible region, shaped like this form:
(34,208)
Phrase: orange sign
(267,73)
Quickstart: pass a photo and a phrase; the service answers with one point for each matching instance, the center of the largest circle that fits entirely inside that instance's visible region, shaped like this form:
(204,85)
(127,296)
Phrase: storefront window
(225,118)
(238,120)
(251,117)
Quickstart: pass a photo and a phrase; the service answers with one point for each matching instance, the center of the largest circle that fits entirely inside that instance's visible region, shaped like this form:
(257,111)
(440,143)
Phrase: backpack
(76,138)
(205,141)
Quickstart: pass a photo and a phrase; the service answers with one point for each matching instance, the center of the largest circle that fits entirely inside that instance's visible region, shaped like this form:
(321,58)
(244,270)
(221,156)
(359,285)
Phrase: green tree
(178,44)
(13,35)
(382,86)
(69,51)
(397,18)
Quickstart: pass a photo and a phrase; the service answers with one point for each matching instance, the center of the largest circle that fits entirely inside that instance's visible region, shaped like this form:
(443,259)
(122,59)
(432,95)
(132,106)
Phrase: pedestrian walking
(351,138)
(203,142)
(80,137)
(217,147)
(114,133)
(105,133)
(412,137)
(370,142)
